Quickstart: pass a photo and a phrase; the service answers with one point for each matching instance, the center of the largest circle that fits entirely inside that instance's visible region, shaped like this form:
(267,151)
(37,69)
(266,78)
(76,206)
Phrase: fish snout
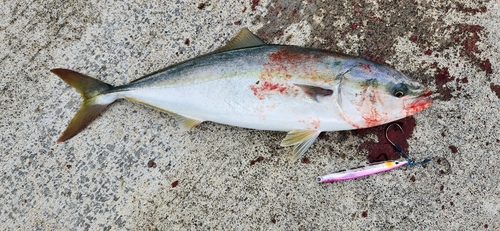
(420,103)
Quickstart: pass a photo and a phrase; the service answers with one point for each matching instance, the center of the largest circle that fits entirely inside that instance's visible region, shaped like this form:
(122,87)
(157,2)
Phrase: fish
(248,83)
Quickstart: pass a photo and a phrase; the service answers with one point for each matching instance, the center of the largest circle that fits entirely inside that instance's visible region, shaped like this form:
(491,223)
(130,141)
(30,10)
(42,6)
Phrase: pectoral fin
(314,92)
(301,140)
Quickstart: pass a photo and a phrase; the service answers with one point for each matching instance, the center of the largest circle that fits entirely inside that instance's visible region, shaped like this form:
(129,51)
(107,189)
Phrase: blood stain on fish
(365,66)
(279,66)
(265,88)
(283,63)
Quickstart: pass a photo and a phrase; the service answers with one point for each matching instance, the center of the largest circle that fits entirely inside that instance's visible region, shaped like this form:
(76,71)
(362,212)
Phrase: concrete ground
(134,169)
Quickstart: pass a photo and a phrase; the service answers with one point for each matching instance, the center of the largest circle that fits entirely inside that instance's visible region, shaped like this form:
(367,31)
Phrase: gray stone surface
(134,169)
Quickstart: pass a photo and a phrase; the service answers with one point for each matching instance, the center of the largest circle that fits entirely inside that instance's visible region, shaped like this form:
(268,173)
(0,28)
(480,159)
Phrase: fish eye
(399,90)
(399,94)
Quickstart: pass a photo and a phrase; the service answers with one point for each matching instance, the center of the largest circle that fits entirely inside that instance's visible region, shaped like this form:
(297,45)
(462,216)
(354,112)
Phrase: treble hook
(410,162)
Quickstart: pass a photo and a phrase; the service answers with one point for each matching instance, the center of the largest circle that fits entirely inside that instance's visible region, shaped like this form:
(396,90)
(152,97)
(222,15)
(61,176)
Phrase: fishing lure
(372,168)
(361,171)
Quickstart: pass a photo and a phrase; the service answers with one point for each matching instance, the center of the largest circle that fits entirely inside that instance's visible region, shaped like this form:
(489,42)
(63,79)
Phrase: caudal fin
(90,89)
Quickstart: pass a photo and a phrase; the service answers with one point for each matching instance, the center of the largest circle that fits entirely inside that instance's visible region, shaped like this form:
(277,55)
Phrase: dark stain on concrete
(382,150)
(495,88)
(378,25)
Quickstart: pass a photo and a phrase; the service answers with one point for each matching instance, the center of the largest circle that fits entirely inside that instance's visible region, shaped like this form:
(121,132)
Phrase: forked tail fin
(91,107)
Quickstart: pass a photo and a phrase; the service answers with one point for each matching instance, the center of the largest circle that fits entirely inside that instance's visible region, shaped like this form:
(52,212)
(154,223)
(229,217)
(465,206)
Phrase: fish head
(372,94)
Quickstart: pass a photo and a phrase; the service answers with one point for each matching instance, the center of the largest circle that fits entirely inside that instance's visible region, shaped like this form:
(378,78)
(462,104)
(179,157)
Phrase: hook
(392,143)
(387,129)
(410,162)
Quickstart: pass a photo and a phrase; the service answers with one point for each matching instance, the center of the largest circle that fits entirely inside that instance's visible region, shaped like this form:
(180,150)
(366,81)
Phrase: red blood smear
(470,43)
(442,77)
(266,88)
(373,57)
(357,8)
(175,183)
(462,8)
(259,159)
(255,3)
(280,65)
(453,149)
(354,26)
(467,35)
(365,67)
(151,164)
(486,66)
(187,42)
(383,150)
(414,38)
(420,104)
(496,89)
(289,55)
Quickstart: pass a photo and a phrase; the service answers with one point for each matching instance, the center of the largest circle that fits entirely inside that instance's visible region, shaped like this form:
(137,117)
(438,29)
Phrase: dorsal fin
(243,39)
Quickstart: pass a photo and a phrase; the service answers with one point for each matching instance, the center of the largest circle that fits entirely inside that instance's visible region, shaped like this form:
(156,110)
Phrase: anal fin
(185,123)
(301,140)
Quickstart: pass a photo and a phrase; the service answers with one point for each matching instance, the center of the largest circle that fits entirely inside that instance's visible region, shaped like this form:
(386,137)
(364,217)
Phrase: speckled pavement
(133,169)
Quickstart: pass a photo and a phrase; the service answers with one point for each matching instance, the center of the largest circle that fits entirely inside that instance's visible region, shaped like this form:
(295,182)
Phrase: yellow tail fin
(89,88)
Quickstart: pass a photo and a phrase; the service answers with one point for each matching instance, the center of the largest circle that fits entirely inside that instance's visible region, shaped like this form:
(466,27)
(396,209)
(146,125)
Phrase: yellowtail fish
(251,84)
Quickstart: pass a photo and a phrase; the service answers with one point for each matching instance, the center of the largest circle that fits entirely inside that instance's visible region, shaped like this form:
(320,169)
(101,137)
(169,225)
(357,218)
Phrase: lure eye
(399,90)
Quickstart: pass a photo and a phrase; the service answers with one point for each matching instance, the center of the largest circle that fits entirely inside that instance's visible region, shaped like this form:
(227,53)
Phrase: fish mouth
(421,103)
